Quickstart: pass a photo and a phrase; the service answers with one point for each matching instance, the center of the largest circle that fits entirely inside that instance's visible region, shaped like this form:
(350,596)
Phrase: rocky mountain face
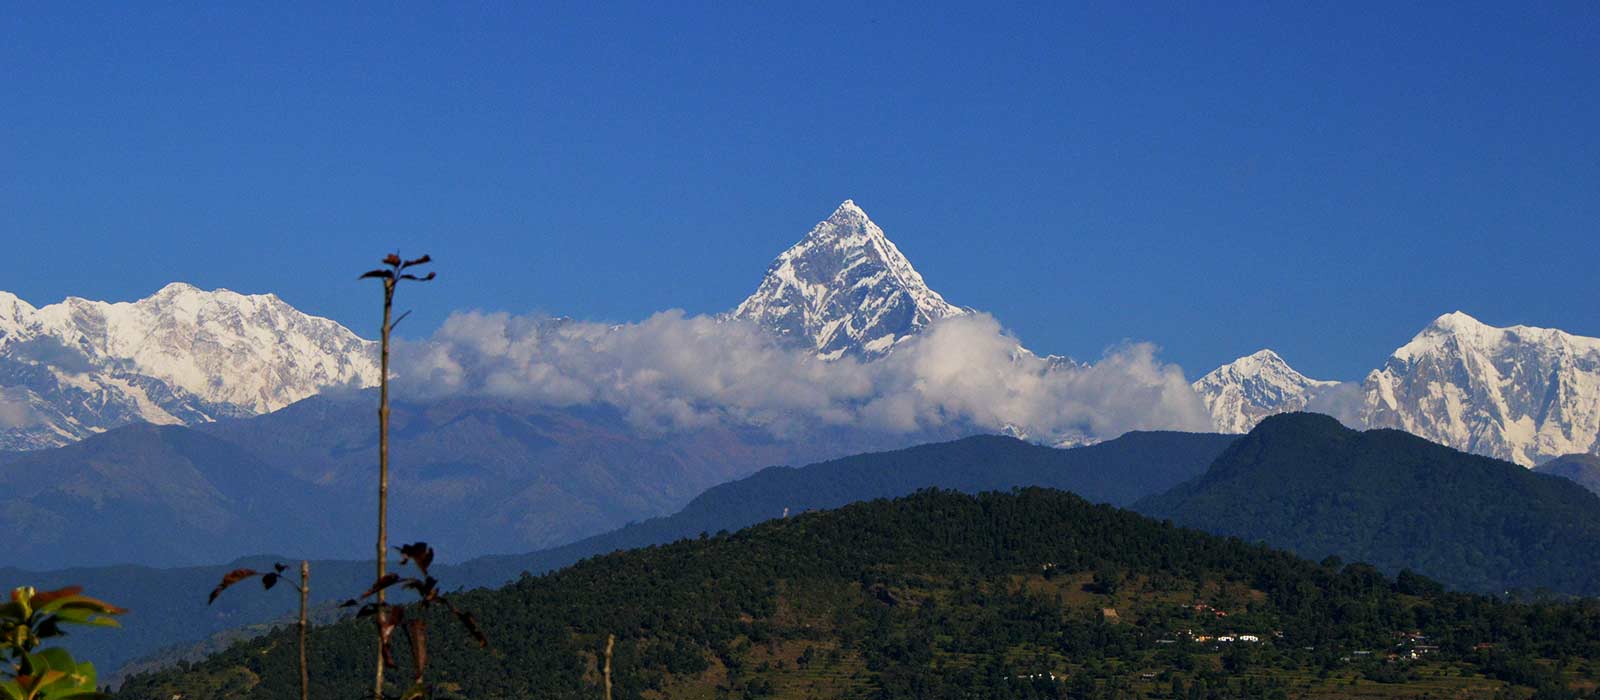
(180,356)
(1239,394)
(844,290)
(1522,394)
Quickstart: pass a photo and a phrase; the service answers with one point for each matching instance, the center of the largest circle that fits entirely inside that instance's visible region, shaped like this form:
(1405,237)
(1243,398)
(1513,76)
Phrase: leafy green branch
(26,621)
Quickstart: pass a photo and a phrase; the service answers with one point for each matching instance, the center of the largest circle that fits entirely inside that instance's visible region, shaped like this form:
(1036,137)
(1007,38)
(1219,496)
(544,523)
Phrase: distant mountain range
(1522,394)
(187,356)
(492,475)
(485,474)
(180,356)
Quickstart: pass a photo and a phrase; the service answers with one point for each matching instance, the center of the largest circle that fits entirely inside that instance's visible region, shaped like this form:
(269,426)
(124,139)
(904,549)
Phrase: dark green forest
(1307,484)
(1027,594)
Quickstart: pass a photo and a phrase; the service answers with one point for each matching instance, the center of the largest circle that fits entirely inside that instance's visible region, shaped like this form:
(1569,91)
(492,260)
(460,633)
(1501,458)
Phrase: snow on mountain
(845,289)
(1239,394)
(1522,394)
(182,355)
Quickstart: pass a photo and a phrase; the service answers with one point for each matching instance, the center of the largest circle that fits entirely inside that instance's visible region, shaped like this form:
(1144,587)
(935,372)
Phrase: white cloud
(15,411)
(673,371)
(1345,401)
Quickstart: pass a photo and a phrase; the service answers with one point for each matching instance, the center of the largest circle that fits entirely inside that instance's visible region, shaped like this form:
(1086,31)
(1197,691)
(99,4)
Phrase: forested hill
(1035,593)
(1305,483)
(1118,471)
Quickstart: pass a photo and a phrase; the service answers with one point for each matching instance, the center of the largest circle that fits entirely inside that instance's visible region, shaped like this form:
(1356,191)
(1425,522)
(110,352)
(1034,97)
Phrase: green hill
(1030,594)
(1305,483)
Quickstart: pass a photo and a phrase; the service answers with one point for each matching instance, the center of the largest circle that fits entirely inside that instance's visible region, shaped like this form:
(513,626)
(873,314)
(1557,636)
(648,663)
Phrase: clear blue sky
(1323,181)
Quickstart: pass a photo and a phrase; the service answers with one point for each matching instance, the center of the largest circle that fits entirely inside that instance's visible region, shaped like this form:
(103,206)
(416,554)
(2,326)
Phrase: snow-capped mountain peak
(14,315)
(1239,394)
(1461,330)
(844,289)
(181,355)
(1520,393)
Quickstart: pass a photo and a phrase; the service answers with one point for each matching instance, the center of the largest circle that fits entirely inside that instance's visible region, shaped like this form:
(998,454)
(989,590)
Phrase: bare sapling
(392,273)
(268,580)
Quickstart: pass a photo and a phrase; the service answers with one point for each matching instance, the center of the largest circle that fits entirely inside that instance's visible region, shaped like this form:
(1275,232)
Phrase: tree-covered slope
(1035,593)
(1305,483)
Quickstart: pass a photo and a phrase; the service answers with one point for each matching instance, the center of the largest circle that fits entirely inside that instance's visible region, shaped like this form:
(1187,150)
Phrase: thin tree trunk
(611,641)
(383,470)
(305,592)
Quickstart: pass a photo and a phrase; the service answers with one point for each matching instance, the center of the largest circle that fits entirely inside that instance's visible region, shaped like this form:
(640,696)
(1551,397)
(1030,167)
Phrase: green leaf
(85,616)
(68,605)
(54,658)
(59,675)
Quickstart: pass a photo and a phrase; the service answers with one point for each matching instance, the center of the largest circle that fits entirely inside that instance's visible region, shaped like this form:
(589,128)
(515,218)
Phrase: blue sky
(1323,180)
